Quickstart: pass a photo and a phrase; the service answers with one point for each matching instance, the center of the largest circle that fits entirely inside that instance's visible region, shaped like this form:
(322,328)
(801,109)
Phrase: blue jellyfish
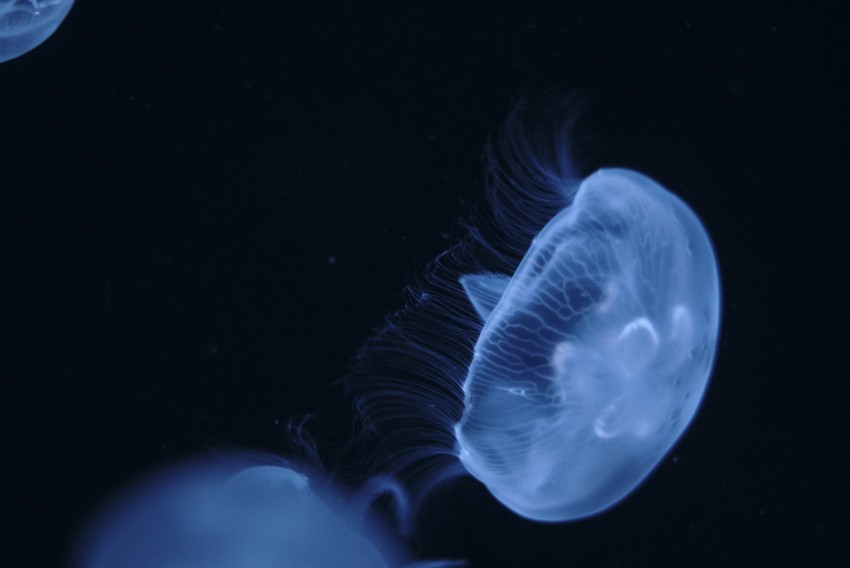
(239,512)
(25,24)
(570,356)
(595,354)
(558,370)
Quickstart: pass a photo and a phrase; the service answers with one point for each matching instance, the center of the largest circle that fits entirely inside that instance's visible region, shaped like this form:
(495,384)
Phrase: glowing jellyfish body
(25,24)
(591,363)
(229,514)
(594,356)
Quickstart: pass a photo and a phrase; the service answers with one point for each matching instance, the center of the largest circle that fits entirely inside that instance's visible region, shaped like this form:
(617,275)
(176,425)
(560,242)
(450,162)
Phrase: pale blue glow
(239,513)
(560,387)
(25,24)
(595,355)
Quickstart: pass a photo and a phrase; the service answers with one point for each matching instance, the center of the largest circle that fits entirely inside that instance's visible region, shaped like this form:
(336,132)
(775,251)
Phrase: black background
(205,207)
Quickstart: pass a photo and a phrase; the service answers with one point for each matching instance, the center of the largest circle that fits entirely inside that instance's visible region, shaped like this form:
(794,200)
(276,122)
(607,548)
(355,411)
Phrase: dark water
(205,208)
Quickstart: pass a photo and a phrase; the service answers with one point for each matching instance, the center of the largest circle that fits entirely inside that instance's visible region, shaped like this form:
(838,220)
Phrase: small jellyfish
(26,24)
(595,354)
(233,512)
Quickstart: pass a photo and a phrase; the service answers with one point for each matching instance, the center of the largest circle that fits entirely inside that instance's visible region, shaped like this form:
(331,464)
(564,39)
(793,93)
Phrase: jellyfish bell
(26,24)
(594,356)
(241,512)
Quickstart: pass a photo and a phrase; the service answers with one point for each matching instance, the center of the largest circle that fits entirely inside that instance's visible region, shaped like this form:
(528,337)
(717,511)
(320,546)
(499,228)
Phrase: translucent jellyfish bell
(26,24)
(595,355)
(234,512)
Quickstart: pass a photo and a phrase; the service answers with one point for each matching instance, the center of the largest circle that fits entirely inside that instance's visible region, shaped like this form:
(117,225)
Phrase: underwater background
(206,209)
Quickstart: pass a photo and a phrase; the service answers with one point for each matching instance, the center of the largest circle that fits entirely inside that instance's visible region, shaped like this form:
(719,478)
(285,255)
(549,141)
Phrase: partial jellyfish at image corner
(26,24)
(241,512)
(558,371)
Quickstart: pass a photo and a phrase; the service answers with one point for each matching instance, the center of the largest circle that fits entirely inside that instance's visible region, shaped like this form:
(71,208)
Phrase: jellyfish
(594,355)
(561,348)
(239,511)
(26,24)
(555,353)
